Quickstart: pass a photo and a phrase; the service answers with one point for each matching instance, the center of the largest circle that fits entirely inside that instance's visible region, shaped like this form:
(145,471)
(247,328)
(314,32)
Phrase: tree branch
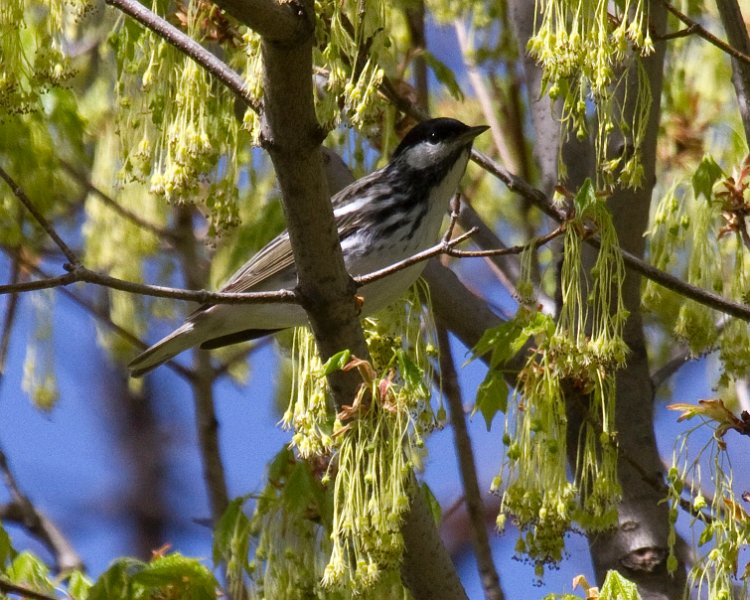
(447,247)
(277,21)
(206,422)
(43,223)
(705,297)
(467,466)
(707,35)
(736,30)
(82,274)
(23,511)
(19,590)
(104,318)
(189,46)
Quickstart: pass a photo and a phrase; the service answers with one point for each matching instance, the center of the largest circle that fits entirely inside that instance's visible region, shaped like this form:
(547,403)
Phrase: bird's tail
(166,348)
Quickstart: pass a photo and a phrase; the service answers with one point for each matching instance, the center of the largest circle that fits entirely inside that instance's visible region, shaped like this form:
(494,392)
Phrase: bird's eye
(433,139)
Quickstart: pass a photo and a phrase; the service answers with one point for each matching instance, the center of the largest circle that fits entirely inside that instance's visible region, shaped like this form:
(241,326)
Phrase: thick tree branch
(467,466)
(285,22)
(189,46)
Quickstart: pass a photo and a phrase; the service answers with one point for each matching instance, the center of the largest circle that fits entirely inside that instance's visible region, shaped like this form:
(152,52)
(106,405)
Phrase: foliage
(585,60)
(371,446)
(162,138)
(725,524)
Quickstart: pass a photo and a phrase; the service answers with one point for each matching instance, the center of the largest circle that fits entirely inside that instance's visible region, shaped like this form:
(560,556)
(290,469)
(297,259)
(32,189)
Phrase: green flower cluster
(723,519)
(689,233)
(374,444)
(580,353)
(584,52)
(31,51)
(180,136)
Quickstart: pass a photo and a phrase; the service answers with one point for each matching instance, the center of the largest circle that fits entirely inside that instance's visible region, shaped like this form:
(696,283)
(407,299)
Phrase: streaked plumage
(382,218)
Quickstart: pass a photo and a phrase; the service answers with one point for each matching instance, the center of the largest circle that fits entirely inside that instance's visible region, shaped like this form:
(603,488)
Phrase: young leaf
(616,587)
(115,583)
(444,75)
(432,503)
(492,397)
(705,176)
(336,362)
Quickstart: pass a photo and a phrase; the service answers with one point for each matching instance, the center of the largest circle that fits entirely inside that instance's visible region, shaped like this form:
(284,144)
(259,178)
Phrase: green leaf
(78,586)
(411,373)
(705,176)
(586,198)
(432,503)
(337,362)
(444,75)
(231,532)
(616,587)
(7,552)
(115,582)
(492,397)
(507,339)
(183,577)
(30,570)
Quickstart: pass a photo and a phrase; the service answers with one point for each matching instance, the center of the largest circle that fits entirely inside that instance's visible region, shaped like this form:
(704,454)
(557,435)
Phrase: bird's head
(436,142)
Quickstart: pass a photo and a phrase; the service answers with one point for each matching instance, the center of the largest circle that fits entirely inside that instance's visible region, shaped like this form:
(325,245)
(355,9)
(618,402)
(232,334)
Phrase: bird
(382,218)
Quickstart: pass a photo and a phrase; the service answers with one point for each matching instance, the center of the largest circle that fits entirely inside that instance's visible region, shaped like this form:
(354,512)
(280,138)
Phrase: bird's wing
(276,256)
(272,259)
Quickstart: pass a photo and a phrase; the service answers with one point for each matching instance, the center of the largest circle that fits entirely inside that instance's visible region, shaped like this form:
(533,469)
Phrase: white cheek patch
(426,154)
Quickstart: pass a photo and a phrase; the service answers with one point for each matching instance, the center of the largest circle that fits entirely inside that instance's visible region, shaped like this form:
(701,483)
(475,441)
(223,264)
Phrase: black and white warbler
(382,218)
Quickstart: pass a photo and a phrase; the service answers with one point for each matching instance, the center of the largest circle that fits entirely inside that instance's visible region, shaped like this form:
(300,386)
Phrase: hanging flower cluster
(580,354)
(584,52)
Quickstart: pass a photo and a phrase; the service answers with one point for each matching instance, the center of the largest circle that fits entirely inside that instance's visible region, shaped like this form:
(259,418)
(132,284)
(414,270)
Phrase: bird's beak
(467,136)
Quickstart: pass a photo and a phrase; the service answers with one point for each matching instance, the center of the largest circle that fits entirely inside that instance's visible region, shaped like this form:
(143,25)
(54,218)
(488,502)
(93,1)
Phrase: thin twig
(115,206)
(467,465)
(37,524)
(448,247)
(80,273)
(19,590)
(189,47)
(707,35)
(677,34)
(704,297)
(43,223)
(101,315)
(10,315)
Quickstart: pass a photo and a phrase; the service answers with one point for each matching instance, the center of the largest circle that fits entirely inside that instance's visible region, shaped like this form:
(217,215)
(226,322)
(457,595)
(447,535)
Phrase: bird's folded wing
(272,259)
